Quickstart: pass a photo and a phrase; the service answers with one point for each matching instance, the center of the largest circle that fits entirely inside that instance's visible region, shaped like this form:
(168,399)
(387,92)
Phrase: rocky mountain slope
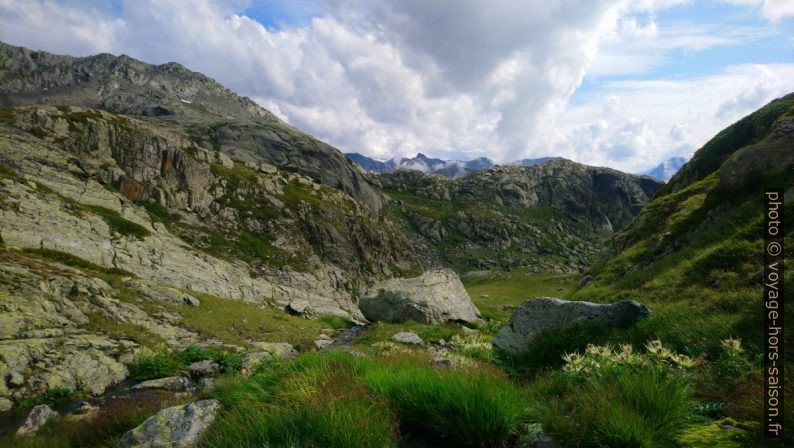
(210,115)
(552,216)
(148,208)
(112,225)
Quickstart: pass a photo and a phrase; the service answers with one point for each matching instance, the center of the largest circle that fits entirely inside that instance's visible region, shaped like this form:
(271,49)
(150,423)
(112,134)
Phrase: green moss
(710,435)
(117,223)
(74,261)
(160,213)
(7,116)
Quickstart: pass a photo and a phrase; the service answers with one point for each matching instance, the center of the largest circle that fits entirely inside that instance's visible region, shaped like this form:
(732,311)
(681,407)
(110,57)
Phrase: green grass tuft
(117,223)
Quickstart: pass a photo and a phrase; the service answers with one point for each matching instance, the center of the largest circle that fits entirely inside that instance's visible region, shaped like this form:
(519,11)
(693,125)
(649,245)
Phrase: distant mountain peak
(665,170)
(426,164)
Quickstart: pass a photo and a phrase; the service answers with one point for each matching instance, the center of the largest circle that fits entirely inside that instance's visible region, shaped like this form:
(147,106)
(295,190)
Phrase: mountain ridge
(211,115)
(425,164)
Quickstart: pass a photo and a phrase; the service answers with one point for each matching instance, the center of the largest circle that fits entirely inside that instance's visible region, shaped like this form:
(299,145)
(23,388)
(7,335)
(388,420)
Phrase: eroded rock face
(177,427)
(547,313)
(40,220)
(435,296)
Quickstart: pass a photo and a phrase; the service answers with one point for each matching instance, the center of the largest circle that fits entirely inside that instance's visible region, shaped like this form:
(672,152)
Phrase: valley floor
(449,389)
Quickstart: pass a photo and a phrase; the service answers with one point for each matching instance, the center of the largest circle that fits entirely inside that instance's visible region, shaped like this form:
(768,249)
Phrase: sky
(618,83)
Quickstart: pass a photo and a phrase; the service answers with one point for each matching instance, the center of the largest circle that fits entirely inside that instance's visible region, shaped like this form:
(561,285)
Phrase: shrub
(167,364)
(733,366)
(50,396)
(156,366)
(227,362)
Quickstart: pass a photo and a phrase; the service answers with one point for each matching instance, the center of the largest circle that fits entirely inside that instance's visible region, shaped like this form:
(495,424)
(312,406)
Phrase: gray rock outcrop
(175,427)
(38,417)
(435,296)
(407,337)
(172,383)
(545,313)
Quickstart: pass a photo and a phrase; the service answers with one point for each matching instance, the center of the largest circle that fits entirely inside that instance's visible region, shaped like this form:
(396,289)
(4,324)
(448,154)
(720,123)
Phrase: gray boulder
(406,337)
(434,297)
(38,417)
(546,313)
(172,383)
(175,427)
(204,368)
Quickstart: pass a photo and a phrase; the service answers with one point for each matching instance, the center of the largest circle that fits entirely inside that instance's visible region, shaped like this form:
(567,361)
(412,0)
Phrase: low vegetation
(337,400)
(172,363)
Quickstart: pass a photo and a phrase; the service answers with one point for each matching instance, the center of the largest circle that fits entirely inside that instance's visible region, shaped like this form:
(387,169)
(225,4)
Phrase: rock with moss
(434,297)
(39,416)
(407,337)
(279,350)
(172,383)
(541,314)
(532,435)
(176,427)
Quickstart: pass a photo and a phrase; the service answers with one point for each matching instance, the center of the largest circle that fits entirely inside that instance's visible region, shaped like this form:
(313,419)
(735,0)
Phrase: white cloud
(645,122)
(774,10)
(466,77)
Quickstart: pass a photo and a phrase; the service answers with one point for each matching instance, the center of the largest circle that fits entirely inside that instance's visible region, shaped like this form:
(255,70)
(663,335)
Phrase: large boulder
(175,427)
(547,313)
(435,296)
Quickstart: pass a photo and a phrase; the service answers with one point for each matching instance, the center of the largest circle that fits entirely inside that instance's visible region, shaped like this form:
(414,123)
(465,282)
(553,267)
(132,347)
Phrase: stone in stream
(434,297)
(38,417)
(174,427)
(546,313)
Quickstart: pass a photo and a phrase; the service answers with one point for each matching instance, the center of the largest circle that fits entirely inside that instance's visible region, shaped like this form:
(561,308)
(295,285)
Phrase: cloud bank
(452,78)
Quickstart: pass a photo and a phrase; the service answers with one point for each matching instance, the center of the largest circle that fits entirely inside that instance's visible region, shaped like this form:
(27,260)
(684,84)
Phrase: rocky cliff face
(209,114)
(552,216)
(110,224)
(210,224)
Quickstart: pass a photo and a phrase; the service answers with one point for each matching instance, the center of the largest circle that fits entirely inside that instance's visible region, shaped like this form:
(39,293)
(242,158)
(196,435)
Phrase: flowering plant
(603,359)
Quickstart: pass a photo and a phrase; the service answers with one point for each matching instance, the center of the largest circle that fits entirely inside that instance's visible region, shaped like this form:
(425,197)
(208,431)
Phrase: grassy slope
(694,256)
